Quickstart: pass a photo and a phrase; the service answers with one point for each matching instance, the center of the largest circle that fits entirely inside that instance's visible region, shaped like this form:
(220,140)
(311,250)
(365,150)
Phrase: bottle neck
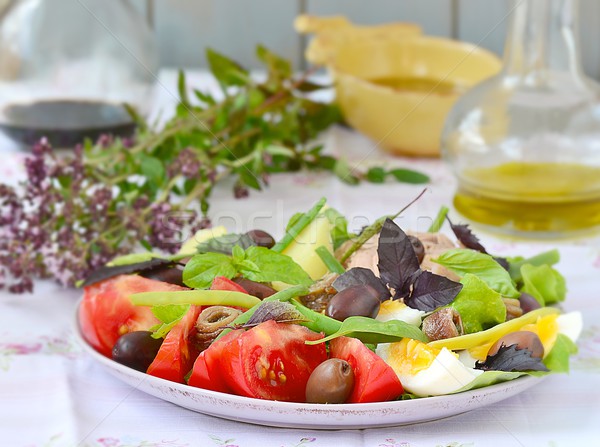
(542,38)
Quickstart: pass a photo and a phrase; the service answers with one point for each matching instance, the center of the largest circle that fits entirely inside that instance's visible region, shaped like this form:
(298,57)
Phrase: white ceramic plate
(314,416)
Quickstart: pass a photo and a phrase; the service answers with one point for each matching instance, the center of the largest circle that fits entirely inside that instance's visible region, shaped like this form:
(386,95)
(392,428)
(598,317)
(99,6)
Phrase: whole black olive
(261,238)
(172,275)
(331,382)
(524,340)
(528,303)
(359,300)
(254,288)
(418,247)
(136,349)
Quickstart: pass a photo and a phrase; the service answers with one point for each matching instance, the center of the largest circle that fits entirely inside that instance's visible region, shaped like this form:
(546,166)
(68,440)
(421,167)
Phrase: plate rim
(354,409)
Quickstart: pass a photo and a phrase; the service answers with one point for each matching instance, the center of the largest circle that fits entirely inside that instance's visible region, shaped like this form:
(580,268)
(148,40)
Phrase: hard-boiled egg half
(424,370)
(397,310)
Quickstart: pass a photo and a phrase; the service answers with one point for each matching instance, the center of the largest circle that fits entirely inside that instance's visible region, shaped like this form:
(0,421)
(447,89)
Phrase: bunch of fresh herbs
(74,213)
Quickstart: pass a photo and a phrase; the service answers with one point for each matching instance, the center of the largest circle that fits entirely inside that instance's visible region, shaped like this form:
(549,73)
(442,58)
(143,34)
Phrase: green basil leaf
(463,261)
(200,271)
(376,175)
(169,316)
(369,330)
(227,71)
(479,306)
(339,227)
(544,283)
(409,176)
(274,266)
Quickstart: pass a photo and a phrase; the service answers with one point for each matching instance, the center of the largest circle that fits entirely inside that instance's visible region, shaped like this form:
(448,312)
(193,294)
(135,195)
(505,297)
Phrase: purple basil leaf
(106,272)
(464,234)
(279,311)
(430,291)
(397,258)
(509,358)
(360,275)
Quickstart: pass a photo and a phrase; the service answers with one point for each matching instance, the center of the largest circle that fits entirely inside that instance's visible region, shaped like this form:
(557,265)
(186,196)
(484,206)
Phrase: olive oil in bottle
(551,198)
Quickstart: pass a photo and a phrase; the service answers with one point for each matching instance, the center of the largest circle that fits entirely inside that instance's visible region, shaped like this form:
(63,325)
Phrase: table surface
(54,395)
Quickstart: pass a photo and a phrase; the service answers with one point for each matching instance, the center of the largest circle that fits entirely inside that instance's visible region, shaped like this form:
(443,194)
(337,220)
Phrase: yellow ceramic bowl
(399,91)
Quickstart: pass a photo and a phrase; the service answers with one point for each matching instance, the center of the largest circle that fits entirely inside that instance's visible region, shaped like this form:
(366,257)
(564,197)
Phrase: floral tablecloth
(54,395)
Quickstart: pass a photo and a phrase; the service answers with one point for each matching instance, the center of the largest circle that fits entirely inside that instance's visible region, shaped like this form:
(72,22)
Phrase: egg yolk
(409,356)
(389,306)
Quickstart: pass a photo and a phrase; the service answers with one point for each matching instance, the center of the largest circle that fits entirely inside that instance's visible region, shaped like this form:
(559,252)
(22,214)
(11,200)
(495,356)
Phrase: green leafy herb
(544,283)
(369,330)
(272,267)
(463,261)
(479,306)
(409,176)
(329,260)
(169,316)
(200,271)
(120,193)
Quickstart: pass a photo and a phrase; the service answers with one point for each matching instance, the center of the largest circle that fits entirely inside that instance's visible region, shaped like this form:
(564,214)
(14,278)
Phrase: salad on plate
(326,316)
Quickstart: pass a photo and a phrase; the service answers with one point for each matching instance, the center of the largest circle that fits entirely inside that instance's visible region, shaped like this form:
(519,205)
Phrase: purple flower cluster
(63,221)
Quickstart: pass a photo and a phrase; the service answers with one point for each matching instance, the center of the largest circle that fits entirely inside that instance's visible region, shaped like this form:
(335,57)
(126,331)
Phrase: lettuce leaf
(479,306)
(169,315)
(463,261)
(544,283)
(557,359)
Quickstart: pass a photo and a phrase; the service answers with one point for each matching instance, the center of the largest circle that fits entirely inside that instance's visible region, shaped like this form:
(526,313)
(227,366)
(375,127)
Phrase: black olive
(257,289)
(528,303)
(172,275)
(358,300)
(136,349)
(418,247)
(331,382)
(524,340)
(261,238)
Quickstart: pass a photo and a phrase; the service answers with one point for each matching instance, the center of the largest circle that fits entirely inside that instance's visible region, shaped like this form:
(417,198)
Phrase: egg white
(396,310)
(445,375)
(570,324)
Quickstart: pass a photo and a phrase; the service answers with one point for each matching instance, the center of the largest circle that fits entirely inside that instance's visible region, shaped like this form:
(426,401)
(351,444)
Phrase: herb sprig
(74,213)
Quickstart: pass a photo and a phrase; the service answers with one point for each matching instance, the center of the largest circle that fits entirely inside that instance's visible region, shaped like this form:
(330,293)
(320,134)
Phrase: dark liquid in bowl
(64,122)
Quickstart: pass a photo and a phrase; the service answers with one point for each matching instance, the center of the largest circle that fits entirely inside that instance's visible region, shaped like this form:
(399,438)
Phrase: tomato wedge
(106,312)
(177,354)
(223,283)
(374,380)
(270,361)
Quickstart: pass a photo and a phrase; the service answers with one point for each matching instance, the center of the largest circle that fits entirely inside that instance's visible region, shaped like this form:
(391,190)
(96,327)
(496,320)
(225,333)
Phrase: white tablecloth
(54,395)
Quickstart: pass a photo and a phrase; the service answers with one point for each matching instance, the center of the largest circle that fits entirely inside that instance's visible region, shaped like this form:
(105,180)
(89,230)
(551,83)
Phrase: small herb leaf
(200,271)
(397,258)
(466,237)
(431,291)
(169,315)
(509,358)
(279,311)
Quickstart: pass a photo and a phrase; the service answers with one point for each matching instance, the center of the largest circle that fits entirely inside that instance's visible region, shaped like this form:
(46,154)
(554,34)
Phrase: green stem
(196,297)
(437,223)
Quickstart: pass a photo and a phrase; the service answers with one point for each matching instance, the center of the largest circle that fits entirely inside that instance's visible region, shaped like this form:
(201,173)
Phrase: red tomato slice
(208,360)
(374,380)
(177,354)
(106,312)
(269,361)
(223,283)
